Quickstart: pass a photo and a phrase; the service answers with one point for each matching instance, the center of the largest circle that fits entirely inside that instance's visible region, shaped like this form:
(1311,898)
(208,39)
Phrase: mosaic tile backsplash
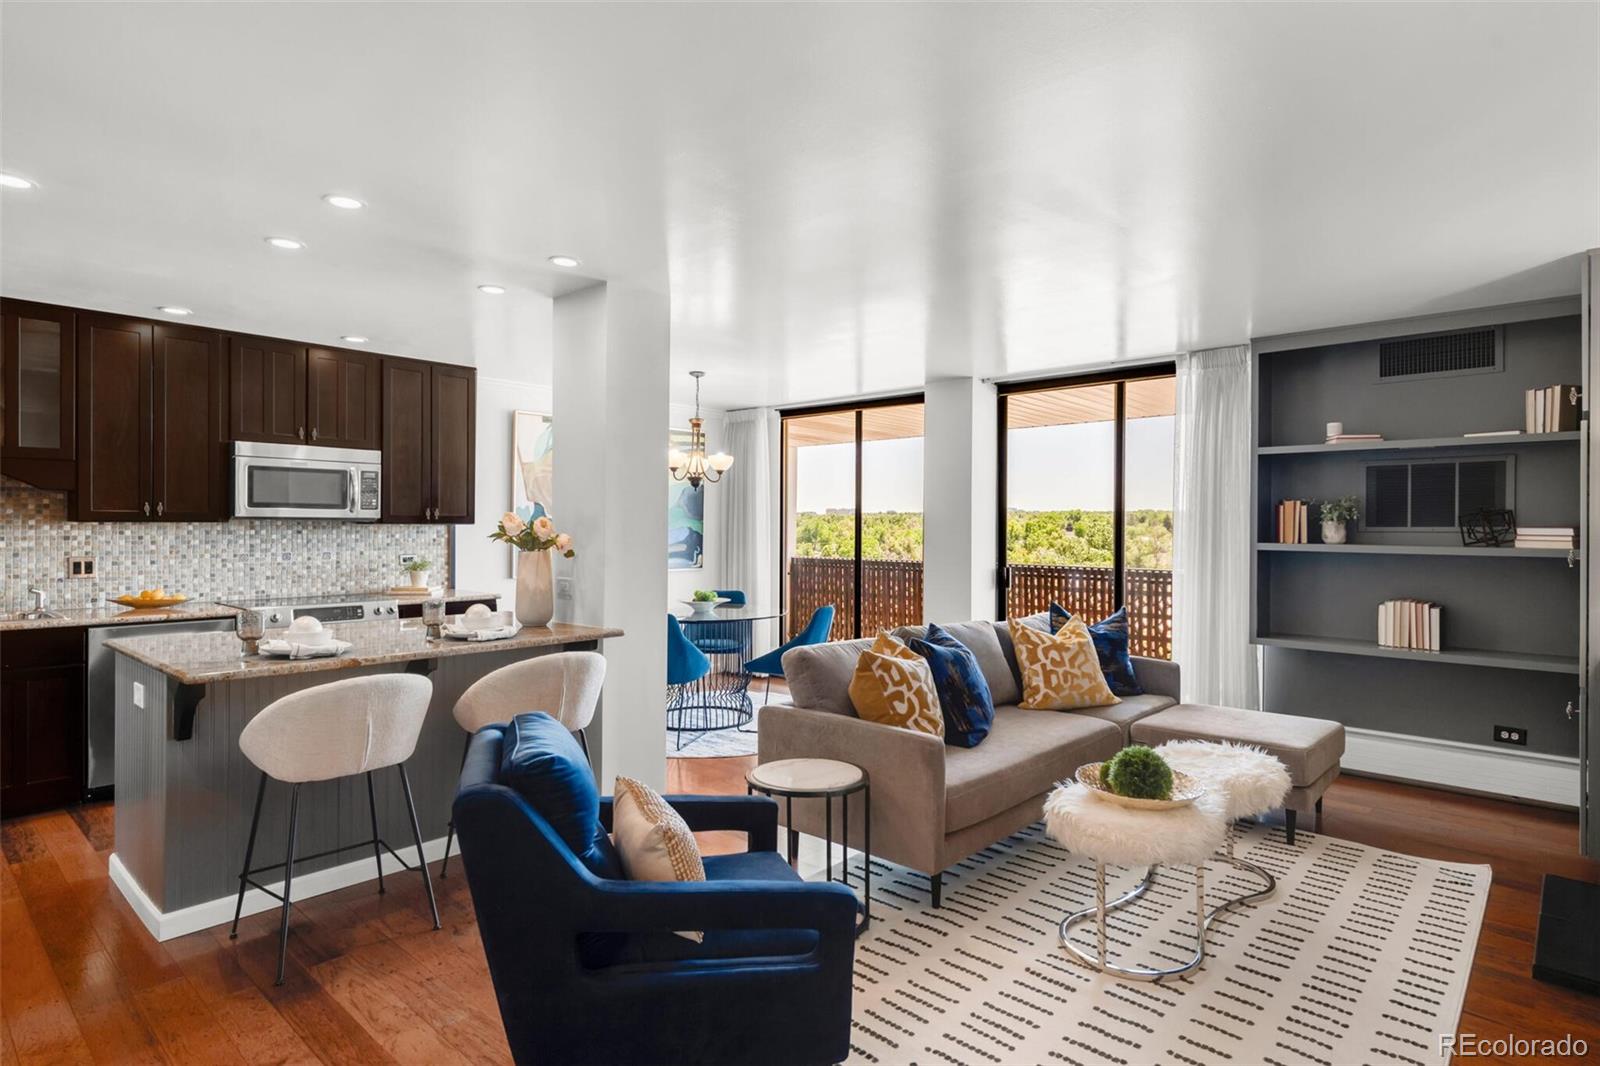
(202,560)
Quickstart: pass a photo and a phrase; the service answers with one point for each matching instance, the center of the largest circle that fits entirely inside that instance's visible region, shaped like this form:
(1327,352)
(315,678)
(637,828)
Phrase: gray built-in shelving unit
(1513,619)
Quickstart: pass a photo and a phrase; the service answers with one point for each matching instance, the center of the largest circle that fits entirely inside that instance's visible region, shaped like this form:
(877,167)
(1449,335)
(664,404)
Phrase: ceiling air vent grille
(1473,351)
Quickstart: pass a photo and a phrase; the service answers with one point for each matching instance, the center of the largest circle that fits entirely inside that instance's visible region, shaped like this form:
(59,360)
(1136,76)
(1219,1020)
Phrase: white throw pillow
(653,840)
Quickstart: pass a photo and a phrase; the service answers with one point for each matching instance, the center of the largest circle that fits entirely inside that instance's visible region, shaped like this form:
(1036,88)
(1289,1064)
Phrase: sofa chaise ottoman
(1310,748)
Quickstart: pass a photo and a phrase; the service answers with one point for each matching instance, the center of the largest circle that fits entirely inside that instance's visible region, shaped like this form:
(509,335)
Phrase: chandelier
(694,466)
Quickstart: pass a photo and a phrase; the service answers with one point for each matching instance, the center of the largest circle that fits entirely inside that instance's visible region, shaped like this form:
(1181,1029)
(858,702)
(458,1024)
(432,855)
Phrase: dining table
(721,698)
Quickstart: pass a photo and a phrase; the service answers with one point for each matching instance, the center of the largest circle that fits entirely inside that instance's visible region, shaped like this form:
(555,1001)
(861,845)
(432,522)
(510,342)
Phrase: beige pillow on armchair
(653,841)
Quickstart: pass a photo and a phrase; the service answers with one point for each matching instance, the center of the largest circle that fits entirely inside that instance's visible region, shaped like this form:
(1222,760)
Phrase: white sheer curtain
(746,495)
(1211,530)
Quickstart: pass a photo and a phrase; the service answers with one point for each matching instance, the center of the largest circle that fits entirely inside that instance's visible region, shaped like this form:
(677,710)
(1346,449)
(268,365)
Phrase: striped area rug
(1362,956)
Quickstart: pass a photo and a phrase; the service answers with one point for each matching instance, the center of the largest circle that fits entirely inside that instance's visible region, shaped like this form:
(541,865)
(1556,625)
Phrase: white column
(958,500)
(610,413)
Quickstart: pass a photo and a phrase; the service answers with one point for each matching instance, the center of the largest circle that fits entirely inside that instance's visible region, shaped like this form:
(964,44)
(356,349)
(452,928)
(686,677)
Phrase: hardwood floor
(370,981)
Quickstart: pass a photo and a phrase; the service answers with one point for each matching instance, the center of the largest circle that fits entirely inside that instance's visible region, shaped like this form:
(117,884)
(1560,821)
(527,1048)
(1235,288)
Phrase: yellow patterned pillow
(894,685)
(1060,672)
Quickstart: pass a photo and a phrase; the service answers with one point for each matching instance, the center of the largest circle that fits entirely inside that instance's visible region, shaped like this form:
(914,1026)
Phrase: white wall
(958,499)
(513,345)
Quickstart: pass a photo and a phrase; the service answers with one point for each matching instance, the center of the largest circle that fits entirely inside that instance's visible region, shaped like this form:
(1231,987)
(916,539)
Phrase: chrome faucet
(40,598)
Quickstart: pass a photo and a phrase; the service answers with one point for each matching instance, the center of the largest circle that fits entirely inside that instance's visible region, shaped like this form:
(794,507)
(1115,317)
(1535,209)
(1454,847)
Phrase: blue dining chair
(816,631)
(731,636)
(685,662)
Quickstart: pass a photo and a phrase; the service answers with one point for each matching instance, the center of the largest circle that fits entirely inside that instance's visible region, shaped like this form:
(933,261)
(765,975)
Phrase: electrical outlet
(563,588)
(80,566)
(1511,734)
(138,694)
(407,557)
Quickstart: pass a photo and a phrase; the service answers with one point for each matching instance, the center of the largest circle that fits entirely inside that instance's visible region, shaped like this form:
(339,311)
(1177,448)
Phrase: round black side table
(792,779)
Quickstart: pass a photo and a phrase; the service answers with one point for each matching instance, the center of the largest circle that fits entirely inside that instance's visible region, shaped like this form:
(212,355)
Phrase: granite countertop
(114,614)
(206,658)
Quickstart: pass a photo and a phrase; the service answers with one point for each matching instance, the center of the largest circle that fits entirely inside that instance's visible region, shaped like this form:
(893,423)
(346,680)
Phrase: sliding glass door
(852,516)
(1086,500)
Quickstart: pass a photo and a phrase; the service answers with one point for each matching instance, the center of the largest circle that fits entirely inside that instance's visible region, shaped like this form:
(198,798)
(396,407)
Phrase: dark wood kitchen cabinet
(40,395)
(187,385)
(342,399)
(429,441)
(42,719)
(149,422)
(268,390)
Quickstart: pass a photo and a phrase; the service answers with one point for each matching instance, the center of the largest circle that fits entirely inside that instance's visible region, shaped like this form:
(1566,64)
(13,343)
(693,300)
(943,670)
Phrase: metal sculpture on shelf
(1488,528)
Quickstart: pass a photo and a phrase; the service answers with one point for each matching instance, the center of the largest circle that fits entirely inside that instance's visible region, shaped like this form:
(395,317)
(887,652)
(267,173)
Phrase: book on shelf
(1293,521)
(1349,438)
(1410,624)
(1552,409)
(1546,537)
(1495,433)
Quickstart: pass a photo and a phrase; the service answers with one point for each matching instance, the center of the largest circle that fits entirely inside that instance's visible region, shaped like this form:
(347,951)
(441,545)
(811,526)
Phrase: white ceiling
(839,198)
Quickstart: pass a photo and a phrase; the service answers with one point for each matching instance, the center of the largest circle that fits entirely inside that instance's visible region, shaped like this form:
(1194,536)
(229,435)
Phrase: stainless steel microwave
(293,481)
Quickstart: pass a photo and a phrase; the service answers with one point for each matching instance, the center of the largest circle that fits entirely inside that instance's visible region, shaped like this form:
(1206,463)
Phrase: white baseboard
(1521,775)
(164,925)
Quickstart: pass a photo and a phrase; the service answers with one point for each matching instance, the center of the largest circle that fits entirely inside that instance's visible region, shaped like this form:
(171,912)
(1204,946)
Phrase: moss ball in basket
(1139,773)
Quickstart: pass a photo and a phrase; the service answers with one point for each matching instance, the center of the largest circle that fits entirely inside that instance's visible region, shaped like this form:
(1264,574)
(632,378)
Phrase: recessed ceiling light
(168,309)
(348,203)
(564,260)
(354,340)
(14,181)
(492,290)
(288,244)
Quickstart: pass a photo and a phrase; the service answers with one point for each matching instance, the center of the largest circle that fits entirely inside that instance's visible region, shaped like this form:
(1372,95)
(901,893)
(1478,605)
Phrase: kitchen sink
(27,616)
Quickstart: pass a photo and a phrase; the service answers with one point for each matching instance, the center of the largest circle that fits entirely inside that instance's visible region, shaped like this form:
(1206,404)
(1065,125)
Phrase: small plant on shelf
(1335,516)
(1139,773)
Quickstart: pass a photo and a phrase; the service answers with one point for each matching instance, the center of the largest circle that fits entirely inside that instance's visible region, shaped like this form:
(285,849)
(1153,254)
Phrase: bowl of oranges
(150,598)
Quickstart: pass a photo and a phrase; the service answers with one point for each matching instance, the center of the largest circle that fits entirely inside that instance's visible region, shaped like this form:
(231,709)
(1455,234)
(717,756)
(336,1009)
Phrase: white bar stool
(565,685)
(336,730)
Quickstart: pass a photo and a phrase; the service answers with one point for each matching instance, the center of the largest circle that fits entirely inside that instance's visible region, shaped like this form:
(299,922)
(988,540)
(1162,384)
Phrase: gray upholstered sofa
(934,804)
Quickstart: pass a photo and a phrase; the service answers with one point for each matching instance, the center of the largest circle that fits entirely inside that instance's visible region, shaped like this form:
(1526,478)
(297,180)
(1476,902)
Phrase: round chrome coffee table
(1110,834)
(1242,782)
(824,779)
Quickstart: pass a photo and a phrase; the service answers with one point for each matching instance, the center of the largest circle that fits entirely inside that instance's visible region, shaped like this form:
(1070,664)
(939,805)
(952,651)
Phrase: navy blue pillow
(964,695)
(1110,636)
(543,764)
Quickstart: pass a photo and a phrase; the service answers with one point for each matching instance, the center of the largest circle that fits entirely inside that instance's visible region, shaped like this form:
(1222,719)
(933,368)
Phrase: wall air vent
(1467,351)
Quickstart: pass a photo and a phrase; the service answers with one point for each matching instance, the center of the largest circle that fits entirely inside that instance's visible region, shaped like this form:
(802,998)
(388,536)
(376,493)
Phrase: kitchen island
(185,793)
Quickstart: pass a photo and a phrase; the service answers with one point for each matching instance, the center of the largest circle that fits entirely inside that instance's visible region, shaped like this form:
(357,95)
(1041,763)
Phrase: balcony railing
(892,596)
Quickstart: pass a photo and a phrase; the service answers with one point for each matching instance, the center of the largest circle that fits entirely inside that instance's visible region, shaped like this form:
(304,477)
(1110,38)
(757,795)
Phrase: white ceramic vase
(1333,532)
(536,602)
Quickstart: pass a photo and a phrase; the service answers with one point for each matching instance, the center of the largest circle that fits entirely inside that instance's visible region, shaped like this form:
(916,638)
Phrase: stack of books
(1547,537)
(1411,624)
(1352,438)
(1552,409)
(1294,521)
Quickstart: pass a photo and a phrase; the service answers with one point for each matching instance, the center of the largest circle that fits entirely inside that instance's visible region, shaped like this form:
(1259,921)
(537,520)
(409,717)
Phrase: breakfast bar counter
(185,793)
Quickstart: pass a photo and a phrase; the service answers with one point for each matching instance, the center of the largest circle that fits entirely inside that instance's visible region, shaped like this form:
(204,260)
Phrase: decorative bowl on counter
(701,608)
(150,598)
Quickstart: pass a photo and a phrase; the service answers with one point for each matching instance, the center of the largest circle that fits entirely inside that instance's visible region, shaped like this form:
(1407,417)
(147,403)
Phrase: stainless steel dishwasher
(102,690)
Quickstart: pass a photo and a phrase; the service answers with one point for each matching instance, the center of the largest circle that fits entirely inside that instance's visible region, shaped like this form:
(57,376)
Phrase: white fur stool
(1242,781)
(1107,832)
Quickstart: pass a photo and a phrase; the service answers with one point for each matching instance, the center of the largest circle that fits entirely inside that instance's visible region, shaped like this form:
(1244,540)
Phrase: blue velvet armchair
(588,969)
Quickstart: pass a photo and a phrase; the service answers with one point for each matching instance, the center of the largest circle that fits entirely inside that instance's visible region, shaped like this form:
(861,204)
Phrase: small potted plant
(1335,516)
(534,542)
(704,601)
(417,571)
